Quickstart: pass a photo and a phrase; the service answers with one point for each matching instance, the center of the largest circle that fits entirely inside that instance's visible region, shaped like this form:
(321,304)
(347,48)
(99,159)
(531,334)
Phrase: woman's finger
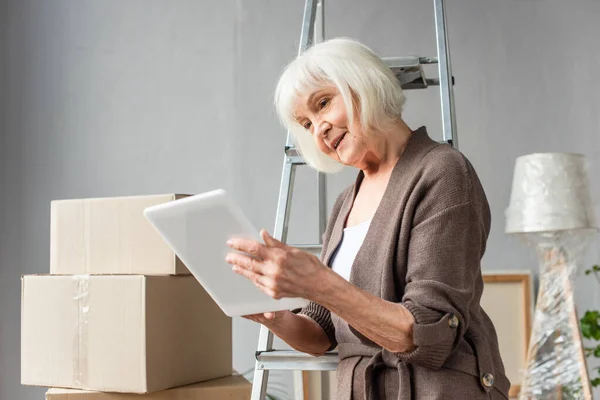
(270,240)
(266,289)
(271,316)
(264,283)
(247,263)
(258,319)
(245,273)
(248,246)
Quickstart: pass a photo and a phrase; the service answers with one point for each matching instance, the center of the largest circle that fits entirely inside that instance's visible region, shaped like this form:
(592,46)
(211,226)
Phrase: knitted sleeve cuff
(434,334)
(322,317)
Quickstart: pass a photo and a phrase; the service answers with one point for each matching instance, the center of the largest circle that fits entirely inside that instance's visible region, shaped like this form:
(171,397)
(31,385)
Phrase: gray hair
(357,72)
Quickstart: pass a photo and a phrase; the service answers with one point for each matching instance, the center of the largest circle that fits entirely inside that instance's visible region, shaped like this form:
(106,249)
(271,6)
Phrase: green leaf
(596,382)
(586,330)
(594,269)
(597,351)
(590,328)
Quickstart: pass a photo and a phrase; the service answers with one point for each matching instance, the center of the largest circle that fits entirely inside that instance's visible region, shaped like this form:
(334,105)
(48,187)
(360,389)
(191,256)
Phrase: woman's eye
(307,125)
(323,103)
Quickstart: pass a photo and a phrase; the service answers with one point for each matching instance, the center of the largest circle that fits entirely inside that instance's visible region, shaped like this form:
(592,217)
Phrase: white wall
(133,97)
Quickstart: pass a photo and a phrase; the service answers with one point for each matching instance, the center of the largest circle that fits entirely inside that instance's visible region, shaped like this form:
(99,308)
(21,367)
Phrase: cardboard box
(229,388)
(121,333)
(109,236)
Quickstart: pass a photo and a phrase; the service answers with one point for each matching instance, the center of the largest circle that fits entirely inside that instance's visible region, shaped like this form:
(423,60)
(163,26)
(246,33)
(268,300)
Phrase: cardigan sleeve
(322,317)
(445,248)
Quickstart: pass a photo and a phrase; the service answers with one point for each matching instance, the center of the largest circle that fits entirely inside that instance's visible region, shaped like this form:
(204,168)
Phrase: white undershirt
(344,256)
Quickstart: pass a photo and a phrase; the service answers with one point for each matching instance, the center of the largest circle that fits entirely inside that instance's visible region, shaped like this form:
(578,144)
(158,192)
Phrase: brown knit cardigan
(423,249)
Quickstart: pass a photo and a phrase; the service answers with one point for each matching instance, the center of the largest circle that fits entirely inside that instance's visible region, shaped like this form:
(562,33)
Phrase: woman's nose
(322,129)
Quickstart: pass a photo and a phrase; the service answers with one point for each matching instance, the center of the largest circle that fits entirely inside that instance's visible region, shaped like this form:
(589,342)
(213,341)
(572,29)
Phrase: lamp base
(556,365)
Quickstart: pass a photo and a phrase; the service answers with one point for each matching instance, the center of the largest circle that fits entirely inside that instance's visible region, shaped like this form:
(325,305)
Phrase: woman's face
(323,113)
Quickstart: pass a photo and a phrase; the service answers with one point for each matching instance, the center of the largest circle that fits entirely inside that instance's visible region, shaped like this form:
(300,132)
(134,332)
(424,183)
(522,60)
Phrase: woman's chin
(349,161)
(346,157)
(349,158)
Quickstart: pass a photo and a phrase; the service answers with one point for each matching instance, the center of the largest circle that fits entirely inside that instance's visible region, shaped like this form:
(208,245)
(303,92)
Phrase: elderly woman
(397,289)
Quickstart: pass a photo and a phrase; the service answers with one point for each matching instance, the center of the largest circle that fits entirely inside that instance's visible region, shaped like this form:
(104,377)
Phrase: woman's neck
(387,151)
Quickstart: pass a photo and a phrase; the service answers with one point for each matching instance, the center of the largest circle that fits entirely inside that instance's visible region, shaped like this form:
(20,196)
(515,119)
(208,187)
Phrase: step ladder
(411,75)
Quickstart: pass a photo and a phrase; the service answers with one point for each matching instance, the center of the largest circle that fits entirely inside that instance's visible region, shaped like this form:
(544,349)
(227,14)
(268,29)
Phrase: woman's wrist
(325,281)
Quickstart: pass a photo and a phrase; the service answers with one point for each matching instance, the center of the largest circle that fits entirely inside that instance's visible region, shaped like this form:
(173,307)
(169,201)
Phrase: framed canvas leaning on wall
(508,300)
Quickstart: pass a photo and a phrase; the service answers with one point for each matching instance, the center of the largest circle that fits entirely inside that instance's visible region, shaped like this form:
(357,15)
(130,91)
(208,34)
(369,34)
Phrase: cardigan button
(487,380)
(453,321)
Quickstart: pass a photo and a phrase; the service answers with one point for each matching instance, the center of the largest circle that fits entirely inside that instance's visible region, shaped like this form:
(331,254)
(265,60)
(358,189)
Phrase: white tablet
(197,229)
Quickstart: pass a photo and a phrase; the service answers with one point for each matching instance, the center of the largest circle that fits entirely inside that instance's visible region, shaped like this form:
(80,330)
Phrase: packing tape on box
(81,296)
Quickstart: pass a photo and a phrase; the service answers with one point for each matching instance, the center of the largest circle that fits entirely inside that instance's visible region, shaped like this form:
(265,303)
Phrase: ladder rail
(306,38)
(445,74)
(261,376)
(321,178)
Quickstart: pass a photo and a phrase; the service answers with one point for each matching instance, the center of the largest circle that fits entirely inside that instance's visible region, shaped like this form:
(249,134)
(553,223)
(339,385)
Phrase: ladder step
(409,71)
(409,61)
(293,156)
(290,360)
(311,248)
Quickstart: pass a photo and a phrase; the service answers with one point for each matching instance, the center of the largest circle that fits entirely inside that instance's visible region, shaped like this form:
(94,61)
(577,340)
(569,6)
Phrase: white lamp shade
(550,192)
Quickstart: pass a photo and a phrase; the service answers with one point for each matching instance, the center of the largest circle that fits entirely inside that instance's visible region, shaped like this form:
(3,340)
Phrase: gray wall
(117,98)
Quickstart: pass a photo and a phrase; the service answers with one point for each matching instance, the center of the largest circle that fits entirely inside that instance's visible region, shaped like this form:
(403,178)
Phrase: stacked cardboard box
(119,313)
(229,388)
